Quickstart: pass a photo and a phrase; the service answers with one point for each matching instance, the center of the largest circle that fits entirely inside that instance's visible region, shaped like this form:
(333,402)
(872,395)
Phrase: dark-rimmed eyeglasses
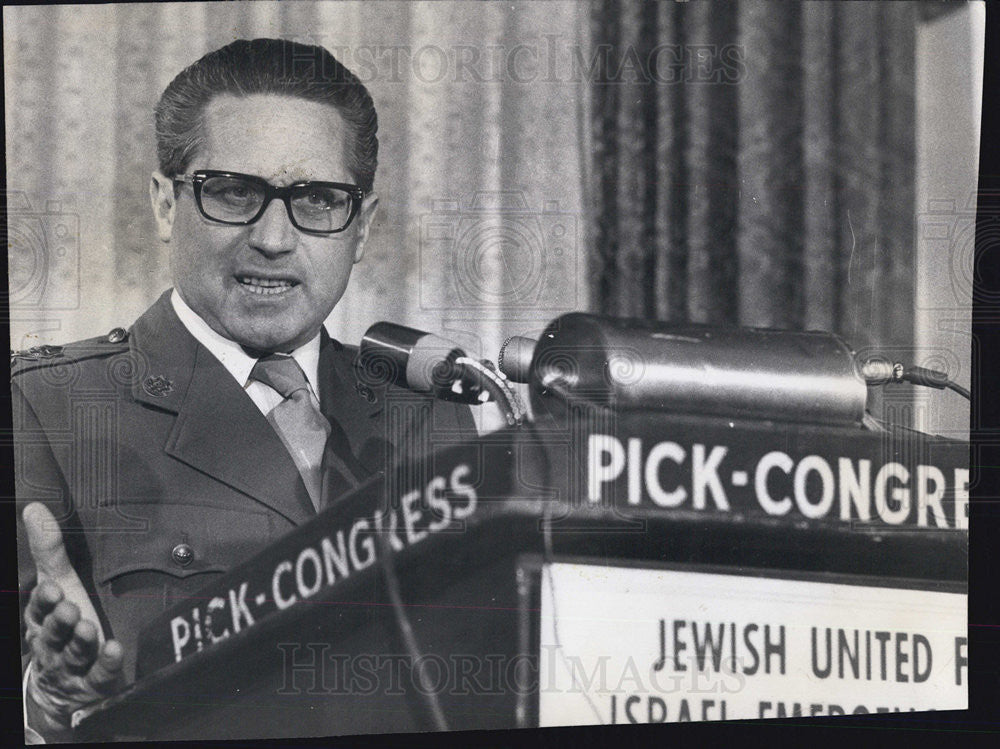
(241,199)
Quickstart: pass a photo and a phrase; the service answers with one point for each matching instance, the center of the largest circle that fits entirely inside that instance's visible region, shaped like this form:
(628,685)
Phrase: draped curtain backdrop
(754,165)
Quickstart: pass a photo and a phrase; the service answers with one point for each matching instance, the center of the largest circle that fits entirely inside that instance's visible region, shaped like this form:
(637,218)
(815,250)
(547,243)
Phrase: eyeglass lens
(236,199)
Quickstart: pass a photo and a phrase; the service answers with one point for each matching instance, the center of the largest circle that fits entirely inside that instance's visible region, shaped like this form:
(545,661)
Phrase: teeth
(265,285)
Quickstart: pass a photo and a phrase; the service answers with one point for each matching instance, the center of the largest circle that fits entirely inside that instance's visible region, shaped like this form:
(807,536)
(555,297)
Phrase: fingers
(58,626)
(81,652)
(42,601)
(81,673)
(106,673)
(66,642)
(53,565)
(45,542)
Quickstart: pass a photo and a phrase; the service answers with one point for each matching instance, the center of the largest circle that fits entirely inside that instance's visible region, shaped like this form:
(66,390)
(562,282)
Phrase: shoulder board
(41,357)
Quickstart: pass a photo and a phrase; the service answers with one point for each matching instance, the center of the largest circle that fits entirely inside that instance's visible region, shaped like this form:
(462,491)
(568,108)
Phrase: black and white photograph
(395,367)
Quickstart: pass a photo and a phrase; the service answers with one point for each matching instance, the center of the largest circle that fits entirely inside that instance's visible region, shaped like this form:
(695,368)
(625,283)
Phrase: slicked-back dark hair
(264,66)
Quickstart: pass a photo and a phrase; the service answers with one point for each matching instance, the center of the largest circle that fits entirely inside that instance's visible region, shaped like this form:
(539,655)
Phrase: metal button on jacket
(182,554)
(117,335)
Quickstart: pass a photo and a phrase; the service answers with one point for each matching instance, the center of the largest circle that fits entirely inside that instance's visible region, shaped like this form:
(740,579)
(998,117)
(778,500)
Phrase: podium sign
(731,536)
(628,645)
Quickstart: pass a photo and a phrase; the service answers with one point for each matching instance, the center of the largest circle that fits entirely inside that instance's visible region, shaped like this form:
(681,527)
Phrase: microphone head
(515,358)
(418,361)
(385,351)
(426,354)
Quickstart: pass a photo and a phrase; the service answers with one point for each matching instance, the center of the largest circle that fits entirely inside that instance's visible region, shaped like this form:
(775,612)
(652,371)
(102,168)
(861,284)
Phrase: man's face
(283,140)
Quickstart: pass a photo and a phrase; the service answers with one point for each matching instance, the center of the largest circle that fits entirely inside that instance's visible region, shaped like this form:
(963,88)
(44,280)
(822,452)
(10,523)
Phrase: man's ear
(365,216)
(164,201)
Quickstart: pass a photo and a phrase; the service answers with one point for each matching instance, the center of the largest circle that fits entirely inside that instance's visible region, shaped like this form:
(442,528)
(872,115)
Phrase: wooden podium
(434,595)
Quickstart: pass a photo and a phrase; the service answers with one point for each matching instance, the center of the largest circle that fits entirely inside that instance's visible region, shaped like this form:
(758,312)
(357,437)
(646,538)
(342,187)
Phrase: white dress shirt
(239,364)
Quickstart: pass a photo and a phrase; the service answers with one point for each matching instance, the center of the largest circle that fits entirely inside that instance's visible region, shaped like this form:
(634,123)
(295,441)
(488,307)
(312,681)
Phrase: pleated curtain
(760,169)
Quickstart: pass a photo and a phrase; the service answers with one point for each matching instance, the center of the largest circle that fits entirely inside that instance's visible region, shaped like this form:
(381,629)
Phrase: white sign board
(624,645)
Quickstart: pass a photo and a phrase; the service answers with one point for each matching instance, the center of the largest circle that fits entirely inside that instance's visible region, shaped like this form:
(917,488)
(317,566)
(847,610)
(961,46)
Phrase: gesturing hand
(71,664)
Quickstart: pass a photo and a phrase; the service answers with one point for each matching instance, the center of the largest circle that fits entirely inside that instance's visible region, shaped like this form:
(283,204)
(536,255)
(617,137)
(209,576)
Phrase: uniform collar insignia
(157,386)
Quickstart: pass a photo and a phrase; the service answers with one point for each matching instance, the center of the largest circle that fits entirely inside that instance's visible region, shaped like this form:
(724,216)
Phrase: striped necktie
(297,419)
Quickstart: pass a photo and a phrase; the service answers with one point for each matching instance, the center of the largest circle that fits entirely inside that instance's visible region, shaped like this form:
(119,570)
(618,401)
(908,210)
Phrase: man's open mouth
(266,286)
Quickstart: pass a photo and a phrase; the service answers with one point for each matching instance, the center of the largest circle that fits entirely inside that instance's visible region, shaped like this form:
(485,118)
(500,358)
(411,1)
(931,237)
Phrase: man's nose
(273,233)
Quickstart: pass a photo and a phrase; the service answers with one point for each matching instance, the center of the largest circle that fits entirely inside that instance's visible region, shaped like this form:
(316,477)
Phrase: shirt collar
(232,356)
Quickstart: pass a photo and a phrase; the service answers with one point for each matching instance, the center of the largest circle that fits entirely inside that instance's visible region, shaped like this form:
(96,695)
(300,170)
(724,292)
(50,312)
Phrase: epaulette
(46,355)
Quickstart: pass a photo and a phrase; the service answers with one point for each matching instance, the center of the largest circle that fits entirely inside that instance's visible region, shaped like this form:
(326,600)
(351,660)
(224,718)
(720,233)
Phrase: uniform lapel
(218,431)
(357,438)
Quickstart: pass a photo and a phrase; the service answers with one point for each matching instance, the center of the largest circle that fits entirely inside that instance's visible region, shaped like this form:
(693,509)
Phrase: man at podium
(153,458)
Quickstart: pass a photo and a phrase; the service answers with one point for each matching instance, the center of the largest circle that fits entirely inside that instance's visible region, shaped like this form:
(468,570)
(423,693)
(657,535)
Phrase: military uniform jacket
(162,471)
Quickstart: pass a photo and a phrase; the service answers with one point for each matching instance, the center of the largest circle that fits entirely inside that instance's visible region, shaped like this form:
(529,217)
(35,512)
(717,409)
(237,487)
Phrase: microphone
(421,362)
(515,357)
(408,357)
(643,365)
(427,363)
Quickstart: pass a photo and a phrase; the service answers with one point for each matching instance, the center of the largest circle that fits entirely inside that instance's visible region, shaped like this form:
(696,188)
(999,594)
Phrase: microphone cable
(881,371)
(497,386)
(428,694)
